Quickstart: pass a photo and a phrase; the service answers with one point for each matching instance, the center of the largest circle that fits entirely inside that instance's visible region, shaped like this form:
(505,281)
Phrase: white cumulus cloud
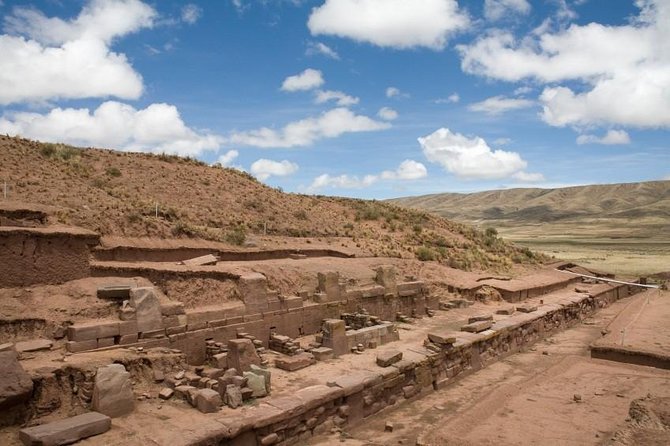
(500,104)
(624,70)
(47,58)
(612,137)
(264,168)
(340,98)
(307,80)
(157,128)
(471,158)
(304,132)
(318,48)
(228,157)
(387,114)
(407,170)
(397,24)
(497,9)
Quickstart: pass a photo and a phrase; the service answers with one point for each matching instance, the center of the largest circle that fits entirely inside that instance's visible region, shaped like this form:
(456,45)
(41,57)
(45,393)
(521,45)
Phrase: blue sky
(364,98)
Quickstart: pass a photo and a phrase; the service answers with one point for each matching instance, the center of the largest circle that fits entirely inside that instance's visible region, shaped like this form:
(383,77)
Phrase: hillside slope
(619,210)
(144,195)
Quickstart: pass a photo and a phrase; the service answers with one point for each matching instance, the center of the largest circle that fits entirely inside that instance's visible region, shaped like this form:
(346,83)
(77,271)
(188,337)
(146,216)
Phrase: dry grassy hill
(619,210)
(115,193)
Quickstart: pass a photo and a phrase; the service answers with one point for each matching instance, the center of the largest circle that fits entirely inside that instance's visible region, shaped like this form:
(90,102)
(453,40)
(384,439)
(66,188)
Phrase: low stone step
(66,431)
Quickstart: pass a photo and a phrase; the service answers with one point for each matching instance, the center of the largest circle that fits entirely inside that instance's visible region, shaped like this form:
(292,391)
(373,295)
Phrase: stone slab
(33,345)
(442,338)
(296,362)
(113,392)
(477,327)
(388,357)
(322,353)
(66,431)
(208,259)
(480,317)
(15,384)
(120,292)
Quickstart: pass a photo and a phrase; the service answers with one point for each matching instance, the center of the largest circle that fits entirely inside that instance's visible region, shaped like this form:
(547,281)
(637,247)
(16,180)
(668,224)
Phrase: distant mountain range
(620,210)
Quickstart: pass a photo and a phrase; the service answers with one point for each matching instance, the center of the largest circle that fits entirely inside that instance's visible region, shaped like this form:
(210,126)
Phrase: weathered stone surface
(480,317)
(15,384)
(253,289)
(256,383)
(120,292)
(506,311)
(322,353)
(334,336)
(183,391)
(66,431)
(269,440)
(389,357)
(112,392)
(147,309)
(232,396)
(208,400)
(221,360)
(386,278)
(442,338)
(242,354)
(165,393)
(476,327)
(267,375)
(329,283)
(527,308)
(208,259)
(297,362)
(33,345)
(81,346)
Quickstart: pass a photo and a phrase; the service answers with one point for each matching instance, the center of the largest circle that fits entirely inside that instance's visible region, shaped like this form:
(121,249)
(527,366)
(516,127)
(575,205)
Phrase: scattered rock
(577,398)
(388,427)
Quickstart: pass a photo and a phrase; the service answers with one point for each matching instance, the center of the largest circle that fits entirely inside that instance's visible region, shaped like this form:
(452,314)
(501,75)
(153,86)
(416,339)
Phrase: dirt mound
(649,423)
(145,195)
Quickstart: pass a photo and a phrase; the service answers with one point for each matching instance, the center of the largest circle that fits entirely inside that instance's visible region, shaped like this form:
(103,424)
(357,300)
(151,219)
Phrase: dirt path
(528,398)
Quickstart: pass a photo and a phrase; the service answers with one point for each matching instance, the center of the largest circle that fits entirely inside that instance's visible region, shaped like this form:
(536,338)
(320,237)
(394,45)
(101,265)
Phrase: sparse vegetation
(113,171)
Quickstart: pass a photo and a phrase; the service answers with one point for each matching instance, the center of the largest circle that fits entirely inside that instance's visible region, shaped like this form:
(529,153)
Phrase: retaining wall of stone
(293,419)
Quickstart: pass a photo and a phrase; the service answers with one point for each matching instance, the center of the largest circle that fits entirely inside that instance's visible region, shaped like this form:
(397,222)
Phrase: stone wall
(293,419)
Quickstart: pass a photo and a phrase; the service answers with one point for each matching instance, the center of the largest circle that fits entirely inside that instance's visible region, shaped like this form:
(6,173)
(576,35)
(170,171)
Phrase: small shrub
(300,215)
(113,171)
(236,236)
(425,254)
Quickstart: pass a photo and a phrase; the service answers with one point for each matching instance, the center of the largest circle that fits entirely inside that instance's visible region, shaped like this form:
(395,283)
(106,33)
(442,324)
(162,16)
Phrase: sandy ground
(527,398)
(641,326)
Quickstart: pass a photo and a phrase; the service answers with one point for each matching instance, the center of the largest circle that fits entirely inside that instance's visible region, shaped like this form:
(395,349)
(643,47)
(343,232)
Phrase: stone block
(221,360)
(256,383)
(526,308)
(118,292)
(33,345)
(112,392)
(165,393)
(15,384)
(386,278)
(127,327)
(128,339)
(296,362)
(147,309)
(153,334)
(388,357)
(253,290)
(480,317)
(322,353)
(175,330)
(183,391)
(267,375)
(334,336)
(208,259)
(105,342)
(329,283)
(213,373)
(477,327)
(66,431)
(232,396)
(506,311)
(293,302)
(172,308)
(208,401)
(81,346)
(82,332)
(242,354)
(442,338)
